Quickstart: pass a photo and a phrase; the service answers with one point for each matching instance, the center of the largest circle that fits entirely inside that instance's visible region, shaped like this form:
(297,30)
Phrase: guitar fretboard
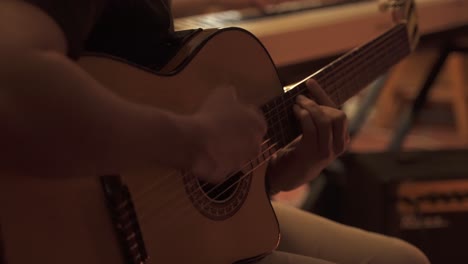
(341,79)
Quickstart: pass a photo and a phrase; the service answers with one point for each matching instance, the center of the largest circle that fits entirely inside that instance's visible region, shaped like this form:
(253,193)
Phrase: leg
(279,257)
(310,235)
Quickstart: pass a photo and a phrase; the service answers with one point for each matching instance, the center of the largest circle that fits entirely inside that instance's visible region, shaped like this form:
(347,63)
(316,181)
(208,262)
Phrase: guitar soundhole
(218,201)
(223,191)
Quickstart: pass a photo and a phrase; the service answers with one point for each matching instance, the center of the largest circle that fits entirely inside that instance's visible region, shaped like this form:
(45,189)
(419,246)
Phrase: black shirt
(137,30)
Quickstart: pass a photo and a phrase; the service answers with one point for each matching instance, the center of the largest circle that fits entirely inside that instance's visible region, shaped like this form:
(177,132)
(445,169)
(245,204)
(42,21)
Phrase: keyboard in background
(303,30)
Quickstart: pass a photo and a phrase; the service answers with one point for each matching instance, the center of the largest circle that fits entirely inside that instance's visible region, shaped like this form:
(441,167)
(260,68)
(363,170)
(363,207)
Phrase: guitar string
(378,43)
(174,214)
(278,118)
(139,196)
(240,179)
(189,205)
(225,190)
(281,112)
(203,206)
(278,121)
(186,194)
(247,174)
(248,163)
(323,76)
(273,133)
(181,192)
(183,209)
(333,93)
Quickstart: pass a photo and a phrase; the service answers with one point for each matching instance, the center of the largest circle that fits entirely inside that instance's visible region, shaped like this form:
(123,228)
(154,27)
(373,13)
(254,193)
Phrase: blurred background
(406,172)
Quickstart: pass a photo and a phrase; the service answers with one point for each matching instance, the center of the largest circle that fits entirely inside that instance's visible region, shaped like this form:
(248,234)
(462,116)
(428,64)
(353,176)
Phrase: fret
(281,125)
(341,80)
(264,156)
(363,61)
(286,120)
(267,150)
(277,125)
(270,115)
(289,131)
(251,165)
(273,120)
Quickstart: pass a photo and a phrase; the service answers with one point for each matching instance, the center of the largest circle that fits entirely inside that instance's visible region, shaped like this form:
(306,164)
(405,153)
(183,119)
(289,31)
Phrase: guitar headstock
(404,11)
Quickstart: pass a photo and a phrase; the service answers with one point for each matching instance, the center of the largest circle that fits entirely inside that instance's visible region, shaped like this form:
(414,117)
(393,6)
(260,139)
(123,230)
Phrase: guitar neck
(341,79)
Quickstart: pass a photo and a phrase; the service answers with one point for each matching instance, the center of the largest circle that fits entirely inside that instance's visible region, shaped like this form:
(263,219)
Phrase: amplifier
(419,196)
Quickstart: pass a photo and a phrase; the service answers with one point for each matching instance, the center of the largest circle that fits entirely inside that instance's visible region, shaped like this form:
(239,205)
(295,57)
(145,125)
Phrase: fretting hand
(325,137)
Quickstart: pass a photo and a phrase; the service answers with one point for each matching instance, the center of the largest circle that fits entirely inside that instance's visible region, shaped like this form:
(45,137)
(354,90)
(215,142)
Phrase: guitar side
(68,219)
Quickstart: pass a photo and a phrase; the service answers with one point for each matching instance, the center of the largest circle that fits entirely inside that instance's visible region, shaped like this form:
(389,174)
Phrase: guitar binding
(124,219)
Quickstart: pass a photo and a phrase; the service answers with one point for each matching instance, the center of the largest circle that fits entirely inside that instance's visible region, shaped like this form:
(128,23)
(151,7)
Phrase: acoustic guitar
(164,215)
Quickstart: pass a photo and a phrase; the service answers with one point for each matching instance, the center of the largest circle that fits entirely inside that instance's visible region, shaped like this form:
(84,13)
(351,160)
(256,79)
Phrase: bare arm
(58,120)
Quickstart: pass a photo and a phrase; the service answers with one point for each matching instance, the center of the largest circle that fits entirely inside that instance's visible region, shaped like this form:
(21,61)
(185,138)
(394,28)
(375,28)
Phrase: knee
(402,252)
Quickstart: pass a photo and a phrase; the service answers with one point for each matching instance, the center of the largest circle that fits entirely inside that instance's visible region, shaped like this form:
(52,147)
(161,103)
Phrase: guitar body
(68,219)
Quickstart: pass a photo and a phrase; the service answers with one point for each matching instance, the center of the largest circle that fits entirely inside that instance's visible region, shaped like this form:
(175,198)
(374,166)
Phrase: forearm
(58,120)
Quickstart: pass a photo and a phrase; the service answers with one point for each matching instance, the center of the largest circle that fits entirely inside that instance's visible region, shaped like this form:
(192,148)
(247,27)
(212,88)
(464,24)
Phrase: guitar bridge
(124,218)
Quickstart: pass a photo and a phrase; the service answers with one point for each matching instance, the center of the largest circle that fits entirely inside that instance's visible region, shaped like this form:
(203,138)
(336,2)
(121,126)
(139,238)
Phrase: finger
(322,123)
(318,94)
(339,128)
(307,124)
